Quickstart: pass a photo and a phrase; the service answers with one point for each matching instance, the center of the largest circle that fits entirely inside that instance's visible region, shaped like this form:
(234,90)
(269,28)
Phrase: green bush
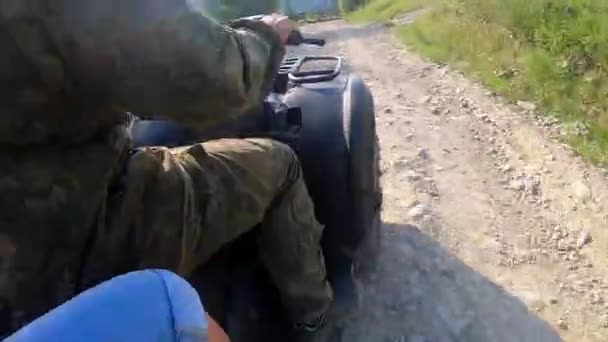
(574,29)
(554,52)
(385,9)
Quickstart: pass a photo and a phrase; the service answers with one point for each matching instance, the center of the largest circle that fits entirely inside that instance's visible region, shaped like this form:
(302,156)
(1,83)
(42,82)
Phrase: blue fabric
(151,305)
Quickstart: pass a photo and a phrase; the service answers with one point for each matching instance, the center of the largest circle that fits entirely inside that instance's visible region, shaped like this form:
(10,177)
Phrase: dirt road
(512,233)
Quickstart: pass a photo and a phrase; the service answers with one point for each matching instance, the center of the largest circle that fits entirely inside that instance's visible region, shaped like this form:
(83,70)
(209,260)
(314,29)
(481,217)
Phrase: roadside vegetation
(384,9)
(551,52)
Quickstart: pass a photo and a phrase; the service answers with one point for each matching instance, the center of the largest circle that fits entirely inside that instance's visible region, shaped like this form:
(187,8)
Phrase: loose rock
(425,99)
(581,191)
(418,211)
(412,176)
(423,153)
(517,185)
(399,165)
(482,117)
(531,185)
(584,239)
(528,106)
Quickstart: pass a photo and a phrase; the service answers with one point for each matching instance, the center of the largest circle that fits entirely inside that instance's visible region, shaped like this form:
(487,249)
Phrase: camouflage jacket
(69,70)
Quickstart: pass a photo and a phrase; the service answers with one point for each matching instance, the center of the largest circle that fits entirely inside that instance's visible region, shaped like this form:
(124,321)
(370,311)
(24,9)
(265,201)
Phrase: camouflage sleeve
(164,59)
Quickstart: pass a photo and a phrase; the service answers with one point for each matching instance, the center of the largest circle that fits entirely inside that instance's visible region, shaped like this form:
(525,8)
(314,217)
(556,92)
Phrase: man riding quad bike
(80,206)
(328,119)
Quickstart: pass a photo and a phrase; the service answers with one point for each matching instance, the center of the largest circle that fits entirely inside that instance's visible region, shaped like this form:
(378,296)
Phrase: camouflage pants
(182,205)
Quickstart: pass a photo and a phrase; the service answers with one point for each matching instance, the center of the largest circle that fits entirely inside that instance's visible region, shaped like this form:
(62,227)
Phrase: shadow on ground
(422,292)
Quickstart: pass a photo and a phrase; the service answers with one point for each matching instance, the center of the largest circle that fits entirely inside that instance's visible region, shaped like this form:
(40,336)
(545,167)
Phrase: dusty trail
(511,242)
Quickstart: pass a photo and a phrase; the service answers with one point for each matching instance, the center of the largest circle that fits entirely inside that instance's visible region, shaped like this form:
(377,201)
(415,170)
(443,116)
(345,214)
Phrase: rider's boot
(328,327)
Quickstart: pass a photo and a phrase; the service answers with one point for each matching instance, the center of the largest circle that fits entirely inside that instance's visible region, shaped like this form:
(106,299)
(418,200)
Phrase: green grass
(381,10)
(552,52)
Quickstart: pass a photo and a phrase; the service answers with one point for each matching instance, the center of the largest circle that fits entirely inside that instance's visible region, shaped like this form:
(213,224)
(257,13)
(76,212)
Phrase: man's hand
(215,332)
(281,23)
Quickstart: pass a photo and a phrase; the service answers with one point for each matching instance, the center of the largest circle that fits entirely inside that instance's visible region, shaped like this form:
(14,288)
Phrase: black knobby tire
(364,173)
(338,149)
(371,244)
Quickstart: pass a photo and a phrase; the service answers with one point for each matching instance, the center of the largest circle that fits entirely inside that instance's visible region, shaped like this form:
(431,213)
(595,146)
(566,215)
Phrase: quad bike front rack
(314,76)
(289,72)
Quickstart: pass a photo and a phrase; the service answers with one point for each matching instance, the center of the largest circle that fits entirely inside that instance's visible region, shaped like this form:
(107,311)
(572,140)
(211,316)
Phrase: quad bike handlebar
(273,118)
(295,37)
(290,68)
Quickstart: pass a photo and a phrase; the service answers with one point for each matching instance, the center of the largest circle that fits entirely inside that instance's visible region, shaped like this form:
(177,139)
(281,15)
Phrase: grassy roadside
(381,10)
(551,52)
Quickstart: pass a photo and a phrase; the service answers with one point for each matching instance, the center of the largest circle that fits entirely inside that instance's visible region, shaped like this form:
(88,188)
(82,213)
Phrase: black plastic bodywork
(330,124)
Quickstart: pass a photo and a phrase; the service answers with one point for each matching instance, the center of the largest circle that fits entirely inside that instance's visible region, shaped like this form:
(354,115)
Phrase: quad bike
(328,119)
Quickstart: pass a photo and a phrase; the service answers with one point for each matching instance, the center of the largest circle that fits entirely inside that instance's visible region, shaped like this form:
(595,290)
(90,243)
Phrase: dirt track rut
(511,238)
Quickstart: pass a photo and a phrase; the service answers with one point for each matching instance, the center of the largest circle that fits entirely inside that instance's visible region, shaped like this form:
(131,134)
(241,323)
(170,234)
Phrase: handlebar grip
(254,17)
